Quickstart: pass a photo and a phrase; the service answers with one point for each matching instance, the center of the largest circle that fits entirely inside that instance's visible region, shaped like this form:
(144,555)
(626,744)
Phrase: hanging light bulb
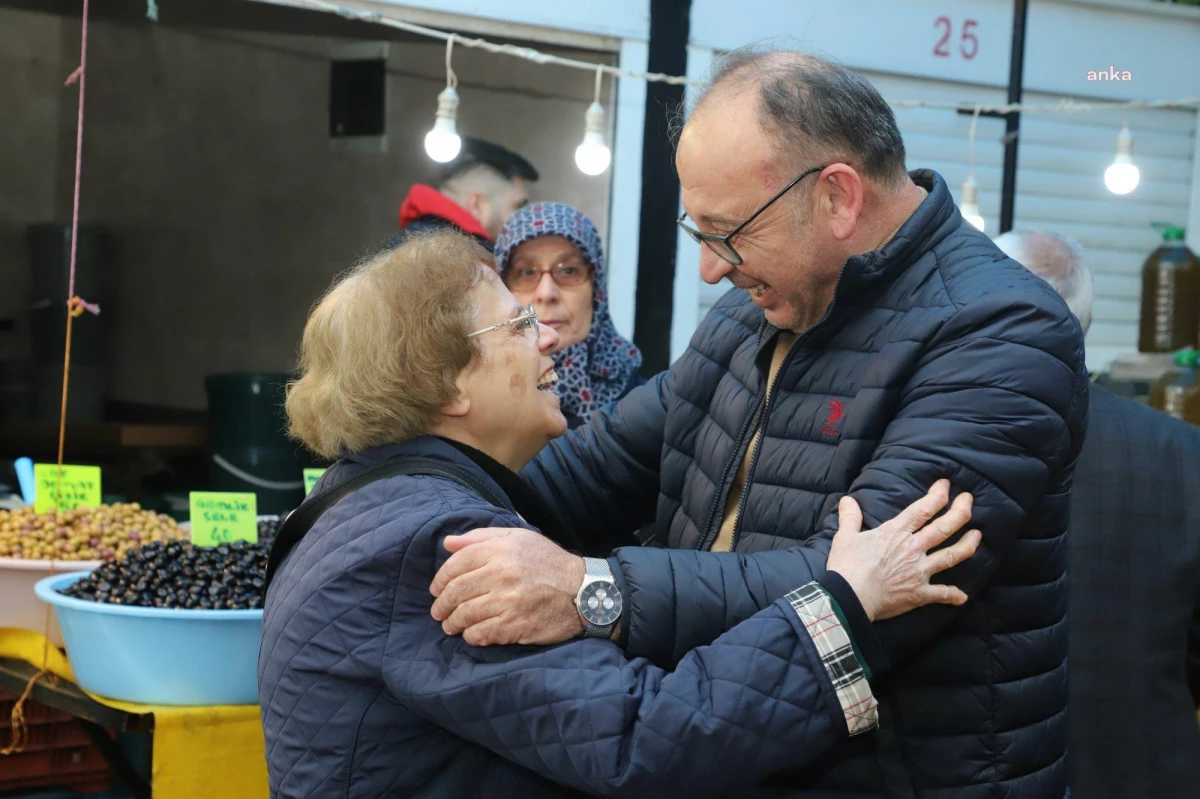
(442,143)
(969,207)
(593,156)
(1122,175)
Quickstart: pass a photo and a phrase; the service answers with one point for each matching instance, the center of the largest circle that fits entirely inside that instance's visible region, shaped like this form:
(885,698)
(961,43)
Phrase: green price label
(311,476)
(78,487)
(219,518)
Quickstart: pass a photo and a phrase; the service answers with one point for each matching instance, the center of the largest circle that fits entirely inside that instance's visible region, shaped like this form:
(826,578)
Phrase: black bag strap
(297,525)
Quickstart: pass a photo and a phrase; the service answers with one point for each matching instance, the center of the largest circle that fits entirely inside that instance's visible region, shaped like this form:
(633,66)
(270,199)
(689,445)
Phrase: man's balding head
(1058,260)
(814,110)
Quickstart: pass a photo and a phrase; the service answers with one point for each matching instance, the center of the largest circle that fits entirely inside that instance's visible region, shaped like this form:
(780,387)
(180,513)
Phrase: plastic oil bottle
(1170,317)
(1178,391)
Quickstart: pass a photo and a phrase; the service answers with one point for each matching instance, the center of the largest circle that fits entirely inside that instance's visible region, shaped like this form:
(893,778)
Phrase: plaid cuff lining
(817,613)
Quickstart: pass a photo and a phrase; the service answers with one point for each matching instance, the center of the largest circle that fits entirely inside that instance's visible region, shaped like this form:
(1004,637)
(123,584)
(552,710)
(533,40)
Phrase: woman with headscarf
(551,257)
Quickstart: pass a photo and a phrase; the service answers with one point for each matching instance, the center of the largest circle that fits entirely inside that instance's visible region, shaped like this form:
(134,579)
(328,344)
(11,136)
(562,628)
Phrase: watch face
(600,603)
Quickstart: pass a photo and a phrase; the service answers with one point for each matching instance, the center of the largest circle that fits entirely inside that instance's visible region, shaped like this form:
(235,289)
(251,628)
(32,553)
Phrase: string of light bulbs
(593,156)
(1121,177)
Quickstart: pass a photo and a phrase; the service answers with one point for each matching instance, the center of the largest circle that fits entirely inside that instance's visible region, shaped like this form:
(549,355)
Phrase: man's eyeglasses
(526,320)
(720,243)
(527,278)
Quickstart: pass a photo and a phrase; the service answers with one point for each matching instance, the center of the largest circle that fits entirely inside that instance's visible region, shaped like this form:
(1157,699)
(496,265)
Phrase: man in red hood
(479,190)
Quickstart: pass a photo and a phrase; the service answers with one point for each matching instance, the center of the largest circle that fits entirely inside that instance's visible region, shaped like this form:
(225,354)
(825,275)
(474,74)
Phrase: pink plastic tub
(19,606)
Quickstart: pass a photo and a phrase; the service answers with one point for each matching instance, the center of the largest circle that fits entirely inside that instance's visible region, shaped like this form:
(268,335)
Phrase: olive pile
(267,530)
(178,575)
(101,533)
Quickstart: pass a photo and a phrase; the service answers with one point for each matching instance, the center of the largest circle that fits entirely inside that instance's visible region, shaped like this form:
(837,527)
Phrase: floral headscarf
(595,371)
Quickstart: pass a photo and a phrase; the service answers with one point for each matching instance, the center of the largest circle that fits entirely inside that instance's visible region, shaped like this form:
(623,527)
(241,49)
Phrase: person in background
(551,257)
(479,190)
(1134,565)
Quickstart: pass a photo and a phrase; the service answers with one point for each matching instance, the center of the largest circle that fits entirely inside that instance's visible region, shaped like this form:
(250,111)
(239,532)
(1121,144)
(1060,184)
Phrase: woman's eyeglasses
(527,278)
(526,320)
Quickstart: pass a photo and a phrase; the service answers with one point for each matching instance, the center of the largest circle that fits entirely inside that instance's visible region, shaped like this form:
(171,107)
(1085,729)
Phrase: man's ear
(842,194)
(477,203)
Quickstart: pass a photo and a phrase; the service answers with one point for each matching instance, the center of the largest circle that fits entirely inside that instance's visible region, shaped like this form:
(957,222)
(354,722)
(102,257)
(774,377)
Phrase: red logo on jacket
(831,421)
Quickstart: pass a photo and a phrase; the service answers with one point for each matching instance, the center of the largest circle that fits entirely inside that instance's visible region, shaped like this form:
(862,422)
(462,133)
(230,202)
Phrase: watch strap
(597,568)
(597,631)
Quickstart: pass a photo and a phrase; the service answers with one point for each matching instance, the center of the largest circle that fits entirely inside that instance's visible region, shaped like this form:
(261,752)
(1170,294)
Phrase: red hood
(427,201)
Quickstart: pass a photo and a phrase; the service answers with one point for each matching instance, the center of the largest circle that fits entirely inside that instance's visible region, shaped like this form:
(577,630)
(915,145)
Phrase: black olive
(177,574)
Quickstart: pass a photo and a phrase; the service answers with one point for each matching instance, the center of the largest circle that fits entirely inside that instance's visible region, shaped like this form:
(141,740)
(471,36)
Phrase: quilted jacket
(938,357)
(362,694)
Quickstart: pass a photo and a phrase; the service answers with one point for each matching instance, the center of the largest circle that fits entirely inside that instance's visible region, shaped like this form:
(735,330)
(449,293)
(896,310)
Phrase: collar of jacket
(495,475)
(425,201)
(920,233)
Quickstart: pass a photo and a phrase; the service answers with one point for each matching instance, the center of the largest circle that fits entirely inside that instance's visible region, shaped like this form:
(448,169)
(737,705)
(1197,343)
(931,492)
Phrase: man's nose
(712,266)
(547,339)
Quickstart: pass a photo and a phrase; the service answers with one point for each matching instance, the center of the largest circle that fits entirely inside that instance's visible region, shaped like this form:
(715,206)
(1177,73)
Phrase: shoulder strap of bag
(297,525)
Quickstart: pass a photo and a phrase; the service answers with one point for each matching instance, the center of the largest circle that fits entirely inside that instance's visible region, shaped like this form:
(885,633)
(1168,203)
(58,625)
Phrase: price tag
(311,476)
(219,518)
(79,487)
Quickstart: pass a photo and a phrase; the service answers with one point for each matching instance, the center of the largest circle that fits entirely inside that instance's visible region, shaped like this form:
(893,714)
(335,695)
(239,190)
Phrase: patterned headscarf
(595,371)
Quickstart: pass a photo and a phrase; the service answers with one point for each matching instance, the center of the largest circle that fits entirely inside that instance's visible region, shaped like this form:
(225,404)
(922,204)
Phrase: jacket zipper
(762,424)
(737,519)
(710,534)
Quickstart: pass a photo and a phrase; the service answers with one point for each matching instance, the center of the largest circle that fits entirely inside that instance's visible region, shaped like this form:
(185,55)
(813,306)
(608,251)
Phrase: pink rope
(75,307)
(82,75)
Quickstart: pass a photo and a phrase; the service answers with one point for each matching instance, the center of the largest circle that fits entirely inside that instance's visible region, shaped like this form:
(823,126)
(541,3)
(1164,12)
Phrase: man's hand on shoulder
(508,586)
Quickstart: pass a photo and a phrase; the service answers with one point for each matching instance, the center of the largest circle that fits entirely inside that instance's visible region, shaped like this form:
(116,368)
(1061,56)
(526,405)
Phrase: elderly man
(1135,576)
(479,190)
(874,343)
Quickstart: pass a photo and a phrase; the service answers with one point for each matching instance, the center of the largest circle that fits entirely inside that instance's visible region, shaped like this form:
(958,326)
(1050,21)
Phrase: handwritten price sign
(311,476)
(219,518)
(79,487)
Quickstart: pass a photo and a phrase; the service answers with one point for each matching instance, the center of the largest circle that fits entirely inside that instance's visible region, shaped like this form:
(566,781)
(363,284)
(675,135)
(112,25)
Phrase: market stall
(159,624)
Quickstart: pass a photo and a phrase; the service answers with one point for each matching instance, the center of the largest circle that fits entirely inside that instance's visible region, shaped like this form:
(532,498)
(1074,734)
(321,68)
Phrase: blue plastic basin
(158,656)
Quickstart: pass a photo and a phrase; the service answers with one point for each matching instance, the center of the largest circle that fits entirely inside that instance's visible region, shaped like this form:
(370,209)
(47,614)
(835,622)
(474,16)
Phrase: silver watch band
(597,568)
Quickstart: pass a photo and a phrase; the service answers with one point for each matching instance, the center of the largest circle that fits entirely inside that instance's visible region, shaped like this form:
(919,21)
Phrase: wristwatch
(598,600)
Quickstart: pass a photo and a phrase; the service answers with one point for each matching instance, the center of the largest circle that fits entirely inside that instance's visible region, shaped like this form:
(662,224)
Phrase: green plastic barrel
(248,445)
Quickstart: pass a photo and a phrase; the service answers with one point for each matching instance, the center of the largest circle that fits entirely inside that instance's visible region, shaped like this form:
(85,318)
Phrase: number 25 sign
(968,42)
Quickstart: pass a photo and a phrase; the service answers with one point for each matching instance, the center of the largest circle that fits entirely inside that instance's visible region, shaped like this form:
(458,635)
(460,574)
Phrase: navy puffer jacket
(364,697)
(939,357)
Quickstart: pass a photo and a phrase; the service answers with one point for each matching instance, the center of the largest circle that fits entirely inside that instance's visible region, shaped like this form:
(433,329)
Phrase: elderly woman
(423,353)
(551,257)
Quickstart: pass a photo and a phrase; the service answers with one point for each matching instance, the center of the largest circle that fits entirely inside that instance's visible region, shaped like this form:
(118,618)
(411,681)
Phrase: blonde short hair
(382,348)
